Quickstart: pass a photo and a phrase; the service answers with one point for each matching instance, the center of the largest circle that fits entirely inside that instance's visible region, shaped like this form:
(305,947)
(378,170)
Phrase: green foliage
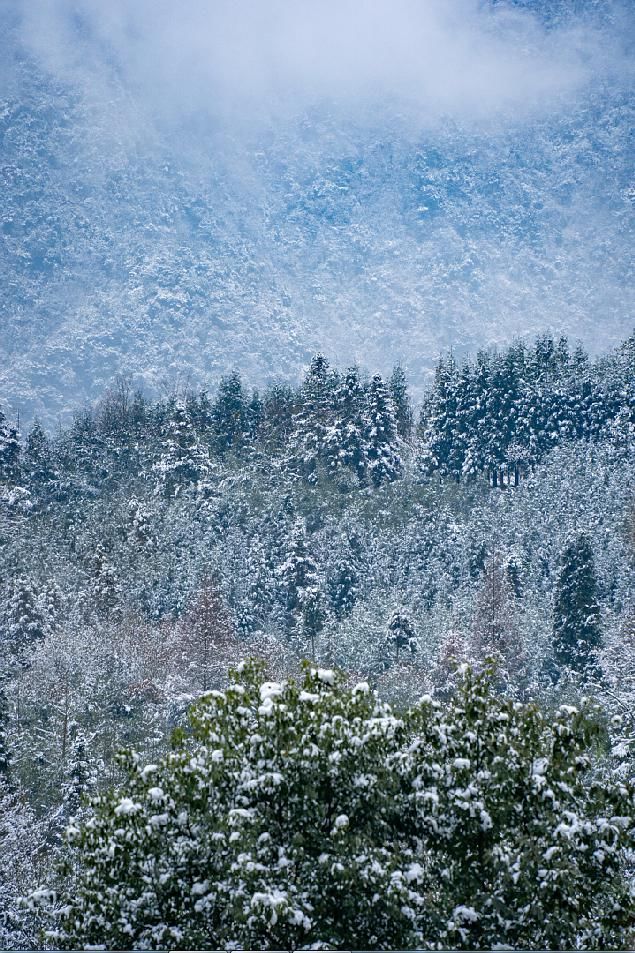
(306,814)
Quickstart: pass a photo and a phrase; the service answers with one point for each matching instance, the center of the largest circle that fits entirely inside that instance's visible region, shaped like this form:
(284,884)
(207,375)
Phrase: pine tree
(315,419)
(577,631)
(80,774)
(5,753)
(25,620)
(384,461)
(183,460)
(229,414)
(301,586)
(343,587)
(401,633)
(398,389)
(344,442)
(9,452)
(39,461)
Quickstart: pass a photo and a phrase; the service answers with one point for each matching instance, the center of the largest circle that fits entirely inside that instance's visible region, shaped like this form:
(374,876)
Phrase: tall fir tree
(345,438)
(229,414)
(10,452)
(316,416)
(382,453)
(398,389)
(577,630)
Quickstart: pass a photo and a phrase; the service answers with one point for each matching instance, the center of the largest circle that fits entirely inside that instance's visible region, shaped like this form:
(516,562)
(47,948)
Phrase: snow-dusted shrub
(307,814)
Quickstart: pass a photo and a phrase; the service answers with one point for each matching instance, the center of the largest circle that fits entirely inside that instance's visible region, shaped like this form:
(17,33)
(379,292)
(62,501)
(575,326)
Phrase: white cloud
(459,58)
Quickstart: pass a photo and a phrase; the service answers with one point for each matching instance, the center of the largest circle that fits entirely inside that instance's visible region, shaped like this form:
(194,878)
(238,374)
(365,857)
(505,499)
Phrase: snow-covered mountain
(175,235)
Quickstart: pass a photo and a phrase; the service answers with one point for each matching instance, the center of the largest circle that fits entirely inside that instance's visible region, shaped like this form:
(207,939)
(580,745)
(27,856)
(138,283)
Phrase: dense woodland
(152,544)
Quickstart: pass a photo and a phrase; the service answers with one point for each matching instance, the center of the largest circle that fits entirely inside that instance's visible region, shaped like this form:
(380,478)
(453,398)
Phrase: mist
(197,186)
(462,59)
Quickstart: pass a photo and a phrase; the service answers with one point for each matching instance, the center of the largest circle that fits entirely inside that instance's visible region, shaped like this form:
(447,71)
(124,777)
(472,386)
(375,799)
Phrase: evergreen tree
(25,619)
(304,814)
(254,416)
(229,414)
(398,389)
(401,633)
(384,461)
(5,754)
(9,452)
(80,775)
(344,441)
(342,587)
(316,416)
(576,615)
(301,584)
(183,460)
(39,462)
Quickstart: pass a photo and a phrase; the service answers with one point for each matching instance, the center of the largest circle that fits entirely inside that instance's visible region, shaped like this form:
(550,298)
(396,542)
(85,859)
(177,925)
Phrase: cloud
(433,58)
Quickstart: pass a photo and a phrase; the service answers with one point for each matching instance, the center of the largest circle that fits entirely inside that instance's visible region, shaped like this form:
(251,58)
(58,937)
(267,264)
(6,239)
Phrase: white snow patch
(127,806)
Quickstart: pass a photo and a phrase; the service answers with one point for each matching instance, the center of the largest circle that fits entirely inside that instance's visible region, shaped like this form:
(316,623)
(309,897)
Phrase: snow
(465,914)
(269,690)
(324,675)
(127,806)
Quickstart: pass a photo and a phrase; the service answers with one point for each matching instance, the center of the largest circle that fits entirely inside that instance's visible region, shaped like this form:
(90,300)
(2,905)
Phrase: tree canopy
(310,814)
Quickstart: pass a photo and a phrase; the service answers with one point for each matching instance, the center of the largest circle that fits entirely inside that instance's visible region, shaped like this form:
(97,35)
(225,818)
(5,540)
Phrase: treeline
(497,415)
(501,413)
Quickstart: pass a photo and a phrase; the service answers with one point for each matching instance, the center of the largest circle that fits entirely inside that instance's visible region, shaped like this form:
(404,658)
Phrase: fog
(462,59)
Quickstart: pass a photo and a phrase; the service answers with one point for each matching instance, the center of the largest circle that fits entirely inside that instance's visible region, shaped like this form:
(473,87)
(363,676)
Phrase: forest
(153,544)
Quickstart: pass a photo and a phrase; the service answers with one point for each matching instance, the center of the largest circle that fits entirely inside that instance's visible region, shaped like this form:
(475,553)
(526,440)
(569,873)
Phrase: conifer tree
(398,389)
(384,461)
(316,414)
(229,414)
(25,621)
(5,754)
(345,439)
(401,633)
(576,613)
(300,583)
(343,586)
(9,452)
(183,459)
(39,459)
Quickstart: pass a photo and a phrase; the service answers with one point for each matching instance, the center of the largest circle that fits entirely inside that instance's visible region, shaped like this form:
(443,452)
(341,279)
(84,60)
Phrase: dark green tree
(383,460)
(398,389)
(229,414)
(577,630)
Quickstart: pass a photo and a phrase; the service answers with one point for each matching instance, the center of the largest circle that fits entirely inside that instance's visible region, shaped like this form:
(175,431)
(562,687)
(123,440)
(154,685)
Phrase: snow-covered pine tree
(301,585)
(577,631)
(343,586)
(344,447)
(25,621)
(229,414)
(398,389)
(315,419)
(401,634)
(183,460)
(81,772)
(39,461)
(10,452)
(384,462)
